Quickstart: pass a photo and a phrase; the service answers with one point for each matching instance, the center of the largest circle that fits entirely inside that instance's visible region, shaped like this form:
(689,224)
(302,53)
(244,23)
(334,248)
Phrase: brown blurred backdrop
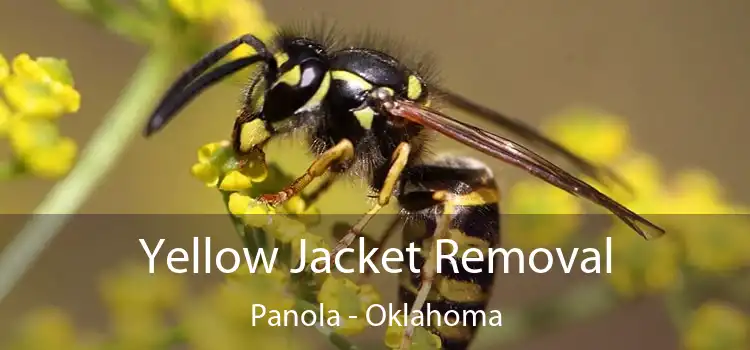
(676,69)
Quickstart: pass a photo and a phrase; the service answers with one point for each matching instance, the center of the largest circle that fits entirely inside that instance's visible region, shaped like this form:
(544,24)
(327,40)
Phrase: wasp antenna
(527,132)
(169,107)
(191,83)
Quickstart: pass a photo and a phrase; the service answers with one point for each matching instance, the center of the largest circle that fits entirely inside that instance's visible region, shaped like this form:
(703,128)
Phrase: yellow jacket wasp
(367,113)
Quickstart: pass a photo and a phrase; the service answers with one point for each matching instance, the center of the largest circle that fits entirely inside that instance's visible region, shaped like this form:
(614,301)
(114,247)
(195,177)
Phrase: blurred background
(675,71)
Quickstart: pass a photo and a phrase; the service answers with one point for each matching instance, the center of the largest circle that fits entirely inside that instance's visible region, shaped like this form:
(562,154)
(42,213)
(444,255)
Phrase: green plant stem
(10,169)
(101,154)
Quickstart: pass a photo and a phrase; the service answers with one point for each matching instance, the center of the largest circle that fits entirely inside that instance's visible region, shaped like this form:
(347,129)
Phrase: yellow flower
(137,300)
(206,172)
(238,203)
(298,207)
(253,213)
(697,192)
(242,17)
(44,69)
(312,242)
(223,320)
(277,276)
(597,136)
(295,205)
(236,298)
(537,197)
(216,160)
(54,161)
(640,266)
(41,148)
(348,299)
(542,215)
(132,290)
(715,325)
(421,340)
(6,116)
(37,91)
(715,243)
(286,229)
(4,69)
(199,10)
(644,175)
(235,181)
(207,152)
(714,238)
(41,88)
(48,328)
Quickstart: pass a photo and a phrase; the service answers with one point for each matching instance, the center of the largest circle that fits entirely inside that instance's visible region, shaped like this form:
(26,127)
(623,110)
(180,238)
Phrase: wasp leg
(381,243)
(314,195)
(341,152)
(428,272)
(398,163)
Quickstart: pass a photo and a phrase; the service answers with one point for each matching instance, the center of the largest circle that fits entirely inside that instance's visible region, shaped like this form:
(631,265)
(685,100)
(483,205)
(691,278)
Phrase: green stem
(96,161)
(10,169)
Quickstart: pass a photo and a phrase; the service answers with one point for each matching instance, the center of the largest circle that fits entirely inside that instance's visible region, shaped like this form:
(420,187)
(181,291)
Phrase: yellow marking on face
(252,134)
(291,77)
(413,88)
(351,78)
(320,94)
(281,58)
(365,116)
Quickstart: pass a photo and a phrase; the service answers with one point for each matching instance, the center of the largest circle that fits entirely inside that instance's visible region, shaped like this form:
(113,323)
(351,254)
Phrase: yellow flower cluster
(36,93)
(642,267)
(49,329)
(137,303)
(349,299)
(215,161)
(716,325)
(154,311)
(421,340)
(223,320)
(217,167)
(702,233)
(541,215)
(233,17)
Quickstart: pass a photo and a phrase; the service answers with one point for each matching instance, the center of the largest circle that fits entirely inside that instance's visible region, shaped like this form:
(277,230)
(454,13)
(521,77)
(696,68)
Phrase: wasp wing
(530,134)
(517,155)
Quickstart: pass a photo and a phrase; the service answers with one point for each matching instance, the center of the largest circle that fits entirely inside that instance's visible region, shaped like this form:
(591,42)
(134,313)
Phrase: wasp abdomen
(463,192)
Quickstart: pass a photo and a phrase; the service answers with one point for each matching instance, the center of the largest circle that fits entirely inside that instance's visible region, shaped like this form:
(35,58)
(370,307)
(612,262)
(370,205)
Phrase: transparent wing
(531,135)
(519,156)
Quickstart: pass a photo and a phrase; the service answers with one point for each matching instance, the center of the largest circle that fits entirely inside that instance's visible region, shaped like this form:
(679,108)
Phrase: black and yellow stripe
(470,195)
